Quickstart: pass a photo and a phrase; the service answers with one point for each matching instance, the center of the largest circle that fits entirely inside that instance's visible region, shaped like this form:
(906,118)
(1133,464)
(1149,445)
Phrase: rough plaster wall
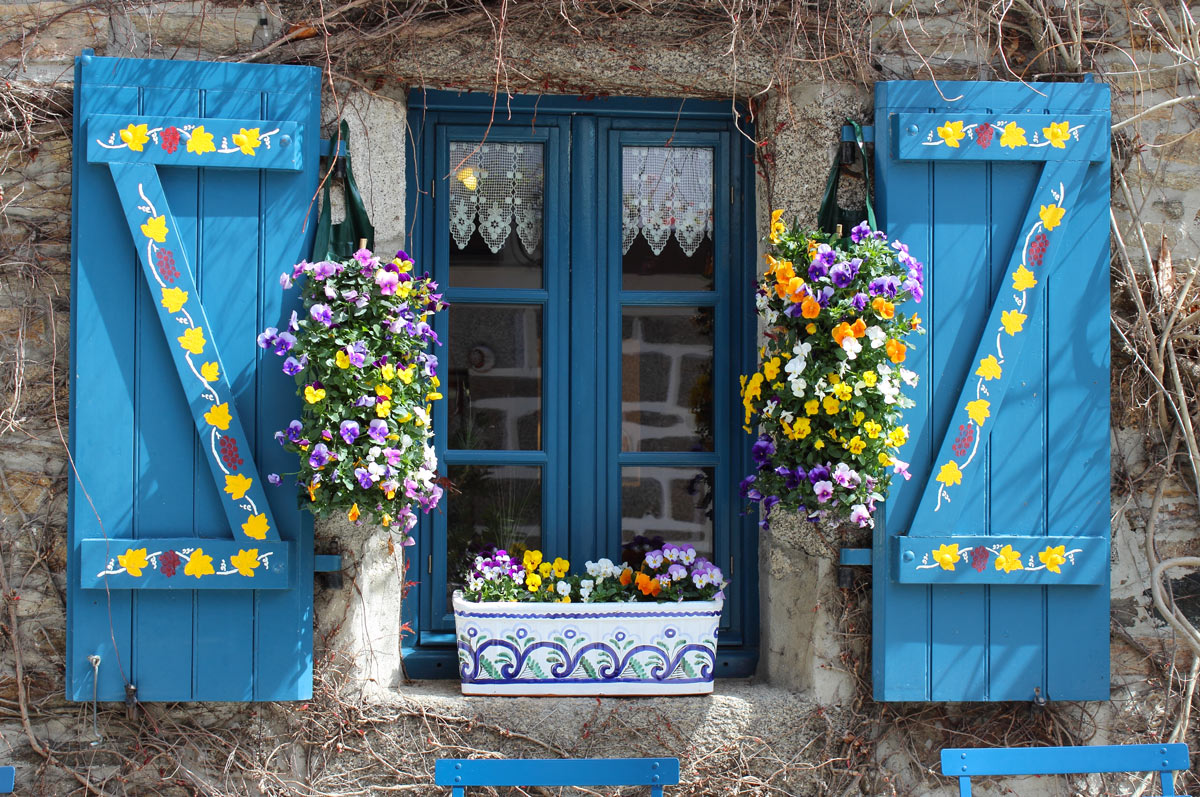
(797,587)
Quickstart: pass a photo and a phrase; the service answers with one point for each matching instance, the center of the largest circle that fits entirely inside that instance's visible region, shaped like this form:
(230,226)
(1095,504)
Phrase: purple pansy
(284,343)
(292,366)
(378,430)
(320,456)
(349,431)
(364,478)
(823,490)
(268,337)
(322,313)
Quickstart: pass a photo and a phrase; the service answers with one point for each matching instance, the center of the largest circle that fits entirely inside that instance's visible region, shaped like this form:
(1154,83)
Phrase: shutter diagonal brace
(938,510)
(169,276)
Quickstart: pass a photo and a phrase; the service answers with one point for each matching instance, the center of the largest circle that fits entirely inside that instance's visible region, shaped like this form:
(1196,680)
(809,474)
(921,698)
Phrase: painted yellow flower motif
(134,559)
(174,299)
(1013,136)
(1023,279)
(192,340)
(135,136)
(256,526)
(210,372)
(155,228)
(951,133)
(1013,321)
(978,410)
(946,556)
(353,514)
(989,368)
(245,561)
(872,429)
(237,485)
(247,140)
(950,474)
(201,141)
(1051,216)
(1009,560)
(1057,134)
(219,416)
(313,395)
(1055,555)
(200,564)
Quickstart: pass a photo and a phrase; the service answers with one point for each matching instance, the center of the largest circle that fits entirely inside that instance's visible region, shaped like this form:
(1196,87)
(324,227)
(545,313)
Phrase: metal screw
(285,141)
(913,130)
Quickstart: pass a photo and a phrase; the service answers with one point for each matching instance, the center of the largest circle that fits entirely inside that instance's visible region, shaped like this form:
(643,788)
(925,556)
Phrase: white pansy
(374,452)
(786,416)
(889,389)
(909,377)
(801,349)
(798,387)
(877,336)
(884,369)
(770,316)
(796,365)
(851,346)
(761,301)
(563,588)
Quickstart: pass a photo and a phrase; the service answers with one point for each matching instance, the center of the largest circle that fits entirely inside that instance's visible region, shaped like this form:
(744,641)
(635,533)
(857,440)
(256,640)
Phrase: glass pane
(666,379)
(497,506)
(494,377)
(496,199)
(661,504)
(667,218)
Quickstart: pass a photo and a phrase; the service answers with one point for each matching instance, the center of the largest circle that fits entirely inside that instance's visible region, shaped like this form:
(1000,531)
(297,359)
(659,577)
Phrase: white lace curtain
(492,186)
(666,190)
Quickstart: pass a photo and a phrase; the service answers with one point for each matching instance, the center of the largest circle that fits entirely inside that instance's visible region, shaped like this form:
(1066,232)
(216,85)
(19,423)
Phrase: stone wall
(803,726)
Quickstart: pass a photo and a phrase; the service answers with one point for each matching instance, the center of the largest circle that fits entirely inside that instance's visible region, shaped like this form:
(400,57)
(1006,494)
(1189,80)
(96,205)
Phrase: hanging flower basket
(538,631)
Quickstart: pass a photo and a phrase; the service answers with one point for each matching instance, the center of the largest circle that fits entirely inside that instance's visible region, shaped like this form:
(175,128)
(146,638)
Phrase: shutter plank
(104,286)
(230,210)
(162,619)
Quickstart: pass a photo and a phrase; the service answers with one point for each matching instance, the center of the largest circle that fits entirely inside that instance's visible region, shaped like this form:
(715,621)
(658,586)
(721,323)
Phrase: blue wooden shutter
(189,578)
(991,569)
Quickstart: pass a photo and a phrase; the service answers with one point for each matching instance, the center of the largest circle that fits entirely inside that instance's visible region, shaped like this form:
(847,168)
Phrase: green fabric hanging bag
(831,215)
(340,241)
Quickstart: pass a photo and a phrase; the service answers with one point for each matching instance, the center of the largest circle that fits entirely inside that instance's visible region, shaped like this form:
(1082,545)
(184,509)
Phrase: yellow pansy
(951,133)
(798,430)
(192,340)
(531,560)
(406,376)
(1057,134)
(856,445)
(778,228)
(858,417)
(898,437)
(885,459)
(1013,136)
(218,416)
(245,561)
(533,581)
(1051,215)
(200,141)
(199,564)
(256,526)
(872,429)
(246,140)
(811,328)
(135,136)
(341,359)
(771,368)
(383,408)
(1055,555)
(210,372)
(353,514)
(978,410)
(388,372)
(134,559)
(989,368)
(313,395)
(818,443)
(155,228)
(544,569)
(1009,560)
(383,390)
(812,407)
(174,299)
(237,485)
(831,405)
(946,556)
(560,567)
(870,377)
(843,391)
(385,519)
(434,396)
(950,474)
(1013,321)
(1023,279)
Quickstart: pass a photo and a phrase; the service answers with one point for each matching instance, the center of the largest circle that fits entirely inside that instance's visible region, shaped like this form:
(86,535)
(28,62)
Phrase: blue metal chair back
(458,773)
(963,763)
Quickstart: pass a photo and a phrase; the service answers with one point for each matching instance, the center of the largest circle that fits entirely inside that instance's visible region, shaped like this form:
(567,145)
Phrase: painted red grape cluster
(229,453)
(979,558)
(966,436)
(983,135)
(168,562)
(165,260)
(170,139)
(1037,249)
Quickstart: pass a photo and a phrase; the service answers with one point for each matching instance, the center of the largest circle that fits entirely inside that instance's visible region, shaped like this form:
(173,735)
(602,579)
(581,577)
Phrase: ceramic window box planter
(586,649)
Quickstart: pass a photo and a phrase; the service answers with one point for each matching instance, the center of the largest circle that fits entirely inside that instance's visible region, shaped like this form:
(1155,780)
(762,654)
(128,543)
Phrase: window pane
(496,199)
(495,377)
(490,506)
(667,218)
(666,379)
(661,504)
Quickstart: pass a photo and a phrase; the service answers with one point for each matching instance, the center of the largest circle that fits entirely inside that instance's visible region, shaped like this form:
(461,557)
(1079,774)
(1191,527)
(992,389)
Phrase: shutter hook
(94,660)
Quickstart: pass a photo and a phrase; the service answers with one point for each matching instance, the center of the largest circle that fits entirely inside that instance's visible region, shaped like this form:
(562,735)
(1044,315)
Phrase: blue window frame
(551,359)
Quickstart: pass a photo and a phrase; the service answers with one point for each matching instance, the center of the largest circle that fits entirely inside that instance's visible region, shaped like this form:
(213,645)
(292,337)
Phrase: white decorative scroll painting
(666,190)
(492,186)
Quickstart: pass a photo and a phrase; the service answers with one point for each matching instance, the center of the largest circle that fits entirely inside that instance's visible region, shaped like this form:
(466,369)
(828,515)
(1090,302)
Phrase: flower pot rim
(522,608)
